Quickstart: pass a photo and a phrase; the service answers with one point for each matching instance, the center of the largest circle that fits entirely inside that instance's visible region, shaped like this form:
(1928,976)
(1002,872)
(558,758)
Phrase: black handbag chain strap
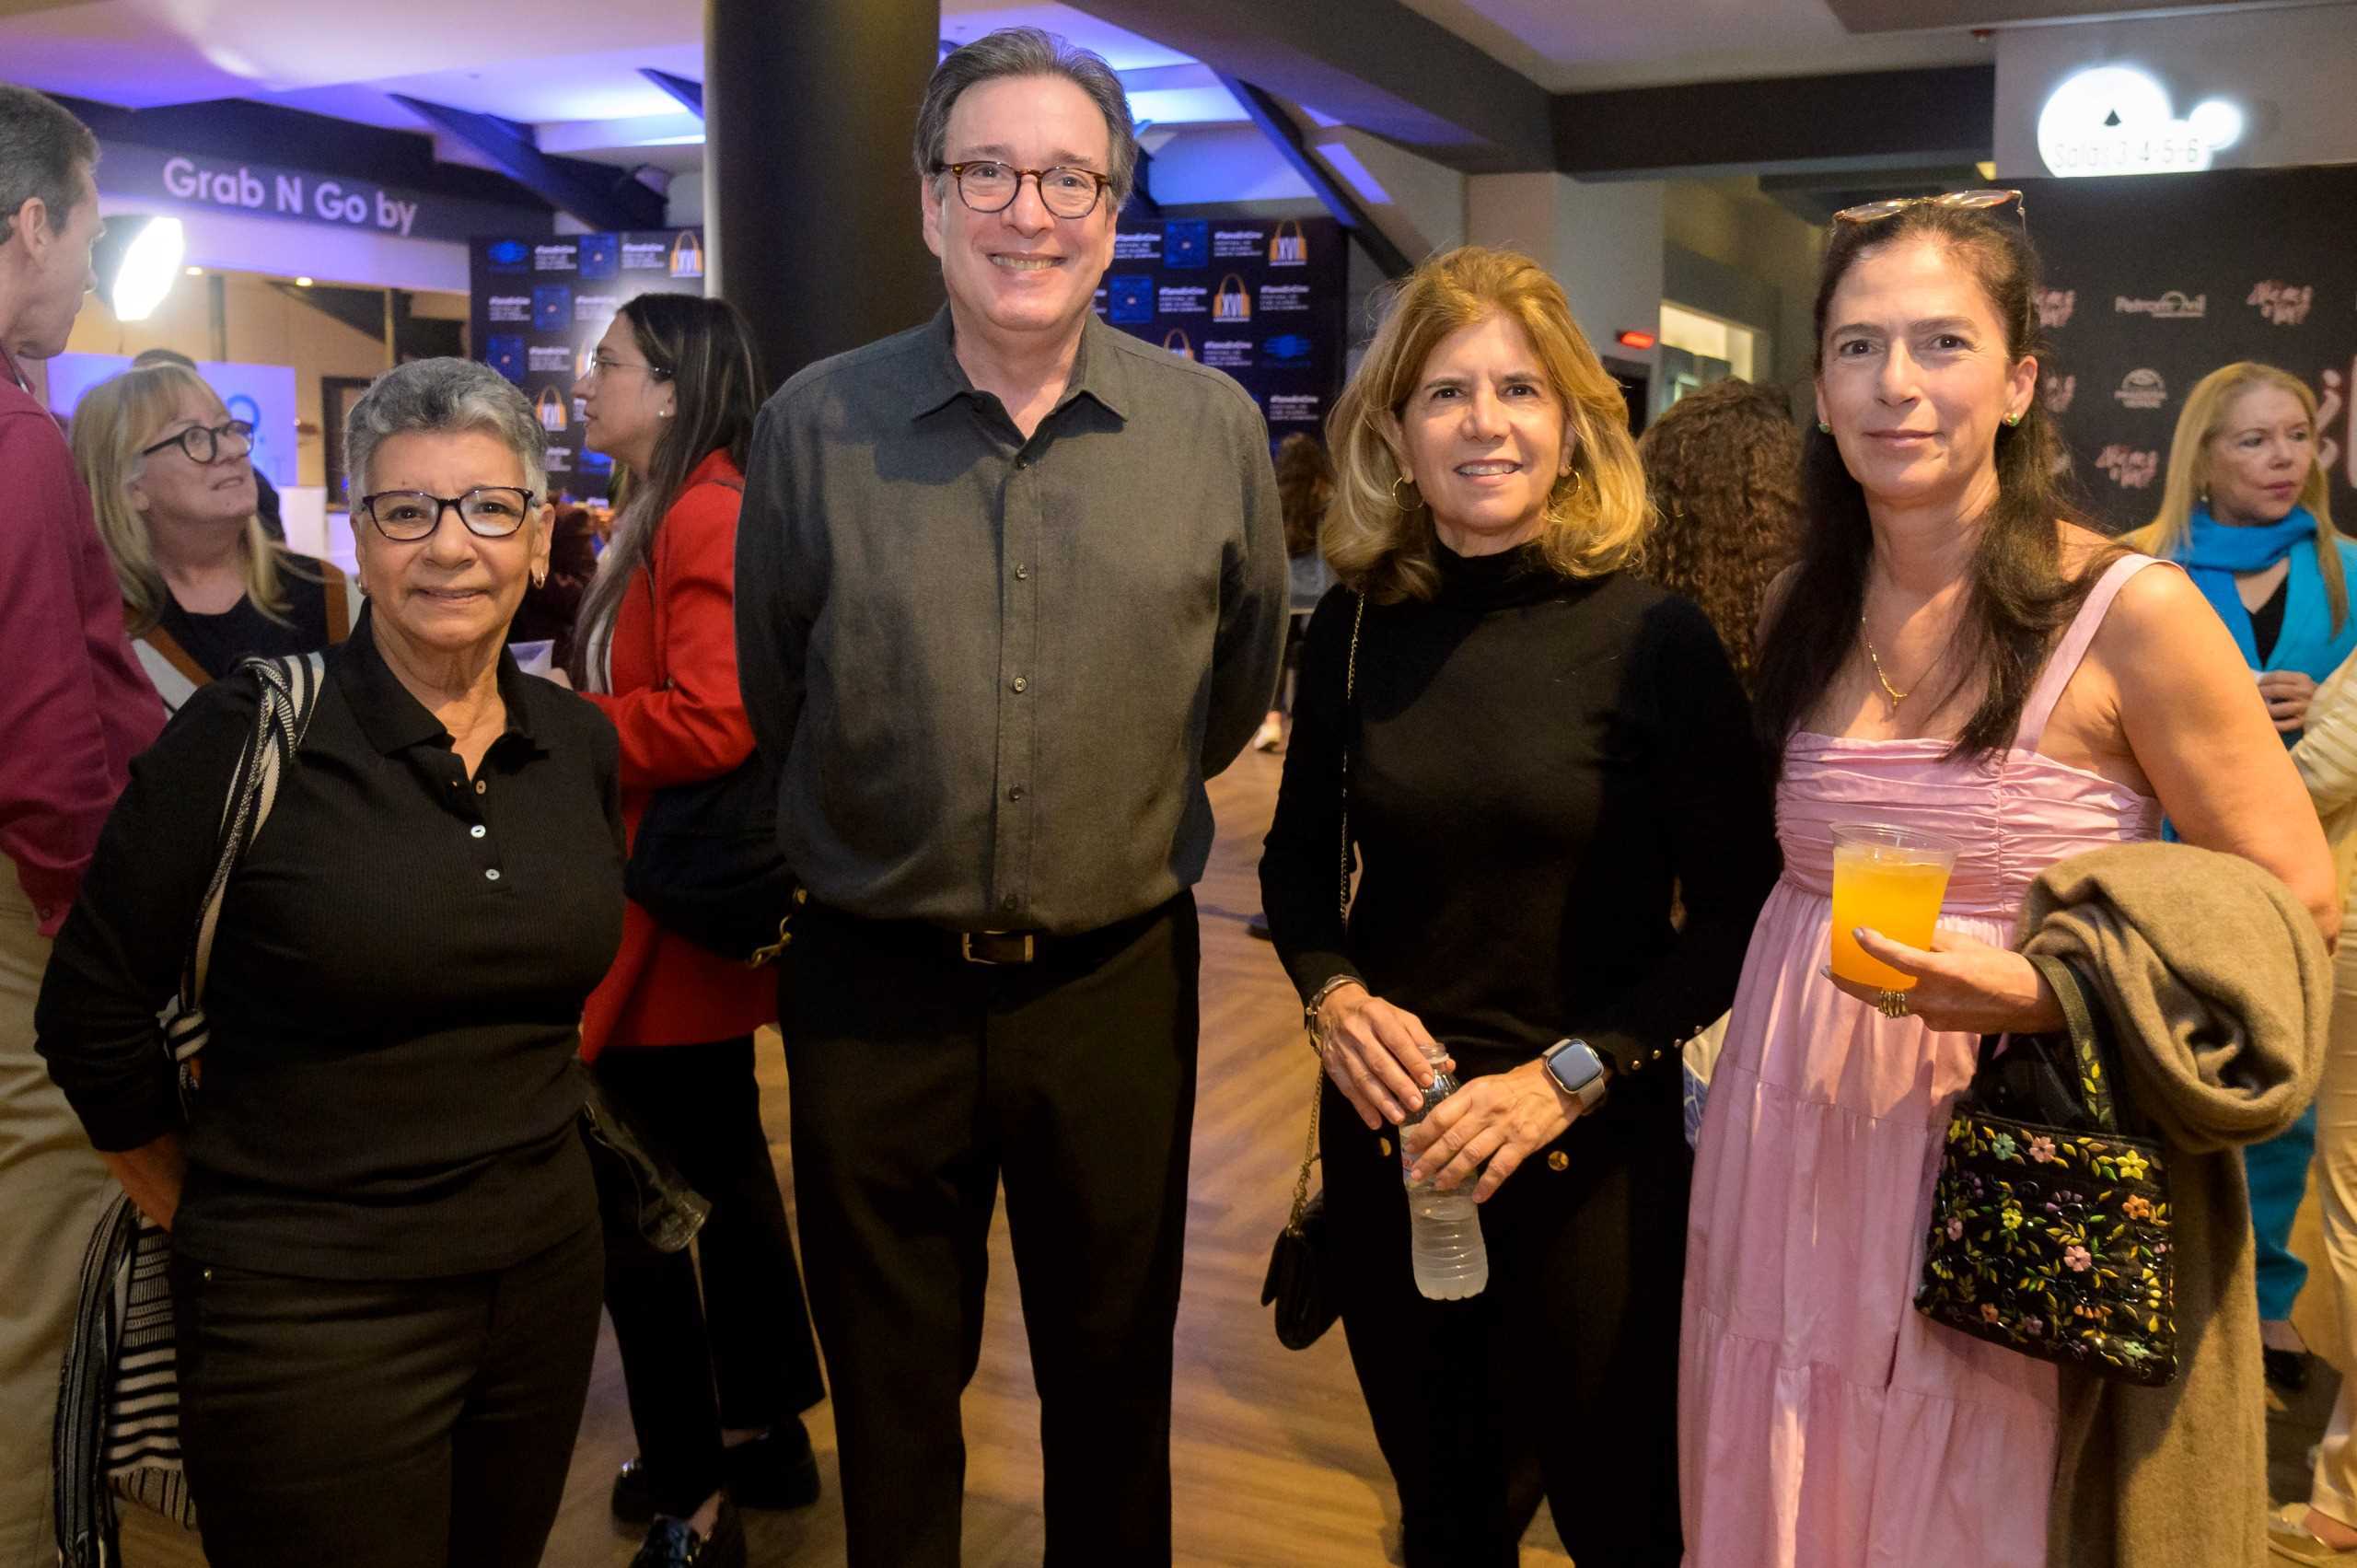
(1317,1084)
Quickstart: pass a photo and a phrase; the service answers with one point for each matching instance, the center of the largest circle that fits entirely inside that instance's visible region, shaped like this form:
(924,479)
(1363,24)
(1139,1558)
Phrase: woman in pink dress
(1952,654)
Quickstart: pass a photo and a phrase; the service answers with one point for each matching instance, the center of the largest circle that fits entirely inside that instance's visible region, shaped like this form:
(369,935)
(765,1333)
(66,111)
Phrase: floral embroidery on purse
(2049,1228)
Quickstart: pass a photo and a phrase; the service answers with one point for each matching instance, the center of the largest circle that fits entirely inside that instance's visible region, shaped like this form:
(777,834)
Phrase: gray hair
(1029,52)
(438,395)
(43,150)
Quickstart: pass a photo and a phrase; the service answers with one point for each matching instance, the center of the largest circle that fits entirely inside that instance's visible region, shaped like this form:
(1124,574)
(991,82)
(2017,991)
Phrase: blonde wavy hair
(2199,423)
(113,421)
(1381,543)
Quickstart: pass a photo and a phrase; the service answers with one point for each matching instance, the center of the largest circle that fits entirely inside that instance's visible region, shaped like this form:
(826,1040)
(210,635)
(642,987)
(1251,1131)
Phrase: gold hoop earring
(540,578)
(1399,501)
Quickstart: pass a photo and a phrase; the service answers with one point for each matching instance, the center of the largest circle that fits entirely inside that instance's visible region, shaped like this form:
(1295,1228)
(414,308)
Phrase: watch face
(1575,1065)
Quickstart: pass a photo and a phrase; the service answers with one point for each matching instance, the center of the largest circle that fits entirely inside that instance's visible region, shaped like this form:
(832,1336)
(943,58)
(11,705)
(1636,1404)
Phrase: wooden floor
(1273,1464)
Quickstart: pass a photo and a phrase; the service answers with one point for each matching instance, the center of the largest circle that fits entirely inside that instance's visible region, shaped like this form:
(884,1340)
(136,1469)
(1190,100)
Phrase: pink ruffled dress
(1822,1421)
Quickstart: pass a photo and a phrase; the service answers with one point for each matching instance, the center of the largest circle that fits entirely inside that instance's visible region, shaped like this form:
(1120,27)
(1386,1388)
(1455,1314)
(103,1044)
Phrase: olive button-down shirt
(996,671)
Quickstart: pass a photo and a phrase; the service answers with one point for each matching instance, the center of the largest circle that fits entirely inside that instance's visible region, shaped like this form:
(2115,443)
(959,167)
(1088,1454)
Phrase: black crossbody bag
(706,863)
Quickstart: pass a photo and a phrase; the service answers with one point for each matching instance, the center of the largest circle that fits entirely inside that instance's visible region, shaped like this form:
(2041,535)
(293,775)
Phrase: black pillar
(811,216)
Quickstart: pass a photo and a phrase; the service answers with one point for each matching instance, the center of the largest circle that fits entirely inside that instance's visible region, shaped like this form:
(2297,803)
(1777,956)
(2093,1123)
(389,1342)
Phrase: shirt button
(1010,903)
(1021,685)
(1017,793)
(1022,573)
(477,831)
(481,785)
(491,875)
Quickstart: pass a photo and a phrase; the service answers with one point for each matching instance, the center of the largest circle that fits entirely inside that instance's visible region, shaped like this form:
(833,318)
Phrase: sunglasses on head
(1968,201)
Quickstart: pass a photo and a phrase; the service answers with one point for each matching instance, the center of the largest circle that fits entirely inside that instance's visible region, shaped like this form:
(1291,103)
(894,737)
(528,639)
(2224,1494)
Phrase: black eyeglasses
(213,443)
(490,511)
(1968,201)
(988,186)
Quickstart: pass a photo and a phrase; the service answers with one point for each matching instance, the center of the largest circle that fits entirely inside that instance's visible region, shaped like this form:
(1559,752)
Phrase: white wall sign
(2118,120)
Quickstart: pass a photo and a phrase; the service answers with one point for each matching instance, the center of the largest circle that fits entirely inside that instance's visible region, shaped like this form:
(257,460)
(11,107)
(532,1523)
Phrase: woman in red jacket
(672,397)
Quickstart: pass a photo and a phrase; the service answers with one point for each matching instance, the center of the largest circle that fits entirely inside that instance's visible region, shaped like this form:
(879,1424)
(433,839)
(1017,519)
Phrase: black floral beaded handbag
(1295,1283)
(2050,1223)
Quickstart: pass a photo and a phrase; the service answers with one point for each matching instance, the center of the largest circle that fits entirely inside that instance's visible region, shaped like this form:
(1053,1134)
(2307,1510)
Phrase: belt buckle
(966,948)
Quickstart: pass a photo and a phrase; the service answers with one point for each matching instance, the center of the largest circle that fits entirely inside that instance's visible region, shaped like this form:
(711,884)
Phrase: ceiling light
(135,261)
(302,283)
(196,272)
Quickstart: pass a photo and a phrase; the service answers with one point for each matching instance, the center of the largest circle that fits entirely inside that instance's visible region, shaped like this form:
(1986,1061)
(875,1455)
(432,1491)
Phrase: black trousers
(1568,1362)
(920,1083)
(401,1423)
(740,1357)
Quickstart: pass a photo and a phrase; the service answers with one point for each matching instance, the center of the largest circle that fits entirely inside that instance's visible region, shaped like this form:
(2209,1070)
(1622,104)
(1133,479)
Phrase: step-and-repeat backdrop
(2152,282)
(1259,298)
(540,305)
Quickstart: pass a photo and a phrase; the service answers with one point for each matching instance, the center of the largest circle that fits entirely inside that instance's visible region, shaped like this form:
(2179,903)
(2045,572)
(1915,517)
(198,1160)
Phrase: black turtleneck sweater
(1539,768)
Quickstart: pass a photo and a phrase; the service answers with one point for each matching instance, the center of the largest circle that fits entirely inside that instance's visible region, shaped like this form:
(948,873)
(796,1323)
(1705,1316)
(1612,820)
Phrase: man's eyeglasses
(213,443)
(990,187)
(601,367)
(490,511)
(1968,201)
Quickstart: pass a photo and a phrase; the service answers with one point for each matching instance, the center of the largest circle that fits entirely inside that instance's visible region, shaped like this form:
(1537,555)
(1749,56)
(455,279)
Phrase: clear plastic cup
(1892,880)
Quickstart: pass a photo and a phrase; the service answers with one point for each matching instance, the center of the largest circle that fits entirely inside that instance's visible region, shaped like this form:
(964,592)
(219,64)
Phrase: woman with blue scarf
(2244,513)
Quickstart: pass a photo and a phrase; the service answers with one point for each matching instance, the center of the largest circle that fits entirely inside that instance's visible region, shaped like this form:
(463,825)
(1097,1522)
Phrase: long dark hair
(703,348)
(1304,487)
(2019,595)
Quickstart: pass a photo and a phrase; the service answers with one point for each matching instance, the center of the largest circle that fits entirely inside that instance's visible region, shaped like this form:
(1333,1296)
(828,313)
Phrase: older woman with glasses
(173,492)
(386,1255)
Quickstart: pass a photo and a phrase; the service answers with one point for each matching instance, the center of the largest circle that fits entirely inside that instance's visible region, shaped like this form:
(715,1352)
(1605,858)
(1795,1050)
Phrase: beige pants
(2334,1488)
(52,1187)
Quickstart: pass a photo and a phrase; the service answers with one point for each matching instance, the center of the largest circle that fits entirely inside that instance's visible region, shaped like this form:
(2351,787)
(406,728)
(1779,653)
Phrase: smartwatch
(1577,1068)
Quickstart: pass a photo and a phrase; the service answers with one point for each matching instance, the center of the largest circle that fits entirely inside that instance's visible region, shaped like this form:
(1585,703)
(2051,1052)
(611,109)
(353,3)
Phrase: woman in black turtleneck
(1545,757)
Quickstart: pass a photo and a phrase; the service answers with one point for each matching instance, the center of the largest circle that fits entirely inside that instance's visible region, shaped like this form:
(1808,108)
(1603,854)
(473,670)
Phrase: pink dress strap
(2072,648)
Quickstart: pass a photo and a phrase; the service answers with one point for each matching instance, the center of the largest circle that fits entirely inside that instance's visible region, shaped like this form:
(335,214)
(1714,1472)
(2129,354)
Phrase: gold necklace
(1891,694)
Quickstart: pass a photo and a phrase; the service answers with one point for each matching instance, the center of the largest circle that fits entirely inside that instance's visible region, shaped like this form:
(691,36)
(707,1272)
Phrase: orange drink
(1891,879)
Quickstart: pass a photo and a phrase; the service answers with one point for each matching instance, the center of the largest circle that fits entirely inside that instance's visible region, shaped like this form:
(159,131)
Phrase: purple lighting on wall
(1345,162)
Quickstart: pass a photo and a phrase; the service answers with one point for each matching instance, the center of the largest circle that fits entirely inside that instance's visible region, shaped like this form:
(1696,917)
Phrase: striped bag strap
(289,693)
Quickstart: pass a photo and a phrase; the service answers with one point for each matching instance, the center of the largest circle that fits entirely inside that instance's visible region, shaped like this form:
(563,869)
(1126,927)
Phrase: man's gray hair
(444,395)
(43,150)
(1029,52)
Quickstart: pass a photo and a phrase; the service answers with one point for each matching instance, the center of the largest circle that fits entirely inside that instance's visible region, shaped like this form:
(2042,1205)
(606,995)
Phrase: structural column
(810,195)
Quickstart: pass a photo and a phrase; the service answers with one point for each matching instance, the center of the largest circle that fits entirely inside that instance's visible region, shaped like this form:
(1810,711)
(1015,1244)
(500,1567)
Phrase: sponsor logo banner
(2142,390)
(2130,468)
(2174,305)
(540,303)
(2283,304)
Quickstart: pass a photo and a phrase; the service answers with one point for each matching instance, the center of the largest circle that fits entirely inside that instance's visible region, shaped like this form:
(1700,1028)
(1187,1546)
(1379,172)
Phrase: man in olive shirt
(1009,588)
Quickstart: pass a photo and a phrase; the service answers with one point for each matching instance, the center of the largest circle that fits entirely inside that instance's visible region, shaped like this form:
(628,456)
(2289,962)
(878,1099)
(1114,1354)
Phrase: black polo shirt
(396,985)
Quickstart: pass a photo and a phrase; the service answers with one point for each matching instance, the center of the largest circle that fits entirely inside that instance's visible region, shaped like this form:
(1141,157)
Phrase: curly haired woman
(1724,465)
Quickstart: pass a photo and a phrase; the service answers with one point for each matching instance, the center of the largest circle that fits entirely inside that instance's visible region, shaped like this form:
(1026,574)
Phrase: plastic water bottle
(1444,1229)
